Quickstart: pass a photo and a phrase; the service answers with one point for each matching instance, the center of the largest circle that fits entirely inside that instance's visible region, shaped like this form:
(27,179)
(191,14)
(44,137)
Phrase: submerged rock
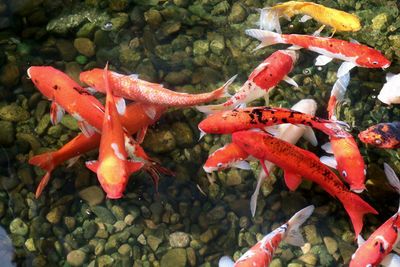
(174,258)
(14,112)
(76,258)
(7,133)
(93,195)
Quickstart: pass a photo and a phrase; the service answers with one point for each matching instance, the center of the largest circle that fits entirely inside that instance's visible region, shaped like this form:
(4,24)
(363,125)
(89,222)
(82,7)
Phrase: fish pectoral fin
(327,147)
(92,165)
(396,248)
(390,76)
(87,129)
(150,111)
(290,81)
(225,261)
(329,161)
(273,130)
(56,113)
(309,135)
(133,166)
(134,76)
(120,105)
(292,180)
(391,260)
(360,240)
(322,60)
(242,164)
(317,33)
(345,68)
(254,196)
(305,18)
(392,177)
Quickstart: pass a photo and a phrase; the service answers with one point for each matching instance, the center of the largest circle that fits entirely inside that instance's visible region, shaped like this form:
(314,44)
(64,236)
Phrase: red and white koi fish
(262,80)
(297,163)
(112,169)
(135,89)
(376,250)
(227,156)
(134,120)
(291,134)
(67,95)
(230,121)
(390,92)
(262,253)
(347,158)
(382,135)
(354,54)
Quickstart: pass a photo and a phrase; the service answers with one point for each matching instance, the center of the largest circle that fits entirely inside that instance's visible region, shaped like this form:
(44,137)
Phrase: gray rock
(174,258)
(13,112)
(18,227)
(104,214)
(179,240)
(76,257)
(93,195)
(7,133)
(153,242)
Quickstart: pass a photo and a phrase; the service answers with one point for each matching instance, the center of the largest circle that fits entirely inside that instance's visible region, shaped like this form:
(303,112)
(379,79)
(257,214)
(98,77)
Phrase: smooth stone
(276,263)
(14,113)
(125,250)
(93,195)
(183,134)
(379,21)
(54,216)
(238,13)
(85,46)
(174,258)
(66,49)
(105,261)
(312,235)
(18,227)
(309,259)
(9,75)
(160,141)
(69,122)
(179,240)
(104,214)
(7,133)
(76,257)
(153,242)
(191,256)
(30,245)
(331,244)
(201,47)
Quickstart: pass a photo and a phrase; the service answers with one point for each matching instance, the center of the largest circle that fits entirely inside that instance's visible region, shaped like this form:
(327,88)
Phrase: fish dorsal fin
(329,161)
(120,105)
(92,165)
(56,113)
(292,180)
(290,81)
(391,260)
(327,147)
(133,166)
(310,154)
(225,261)
(360,240)
(309,135)
(134,76)
(87,129)
(345,68)
(322,60)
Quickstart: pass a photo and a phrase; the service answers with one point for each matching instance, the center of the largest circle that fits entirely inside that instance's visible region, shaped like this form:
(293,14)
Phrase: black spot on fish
(284,120)
(55,87)
(381,248)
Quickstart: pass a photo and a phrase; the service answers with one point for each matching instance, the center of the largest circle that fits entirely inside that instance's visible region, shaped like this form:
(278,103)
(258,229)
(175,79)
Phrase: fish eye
(344,174)
(378,141)
(219,165)
(375,62)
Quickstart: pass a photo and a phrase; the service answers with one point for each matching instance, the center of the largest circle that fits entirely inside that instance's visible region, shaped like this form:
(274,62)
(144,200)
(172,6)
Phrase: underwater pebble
(179,240)
(125,250)
(153,242)
(276,263)
(85,46)
(379,21)
(174,258)
(238,13)
(18,227)
(104,214)
(331,244)
(54,216)
(14,113)
(93,195)
(309,259)
(159,141)
(7,133)
(76,257)
(105,261)
(201,47)
(9,75)
(30,245)
(183,134)
(69,122)
(312,235)
(66,49)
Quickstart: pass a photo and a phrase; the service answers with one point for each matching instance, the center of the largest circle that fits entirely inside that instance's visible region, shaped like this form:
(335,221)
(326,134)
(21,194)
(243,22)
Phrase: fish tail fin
(393,179)
(294,236)
(42,184)
(223,90)
(356,207)
(44,161)
(225,261)
(269,19)
(267,38)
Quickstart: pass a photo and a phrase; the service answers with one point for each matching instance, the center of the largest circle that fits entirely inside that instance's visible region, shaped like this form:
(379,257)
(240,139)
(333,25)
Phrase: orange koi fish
(297,163)
(67,95)
(132,88)
(230,155)
(230,121)
(261,254)
(354,54)
(376,250)
(382,135)
(337,19)
(347,158)
(112,169)
(261,81)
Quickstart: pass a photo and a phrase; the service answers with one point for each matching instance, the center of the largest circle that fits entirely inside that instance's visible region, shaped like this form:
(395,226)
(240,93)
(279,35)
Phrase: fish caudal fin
(269,19)
(294,236)
(42,184)
(267,38)
(225,261)
(44,161)
(393,179)
(356,207)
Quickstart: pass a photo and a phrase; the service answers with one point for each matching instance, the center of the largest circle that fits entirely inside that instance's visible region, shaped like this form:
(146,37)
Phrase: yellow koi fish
(338,20)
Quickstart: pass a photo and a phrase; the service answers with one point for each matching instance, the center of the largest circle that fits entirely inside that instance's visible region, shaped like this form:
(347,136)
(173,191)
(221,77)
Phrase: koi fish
(347,158)
(291,134)
(67,95)
(297,163)
(354,54)
(382,135)
(261,81)
(262,253)
(135,89)
(376,250)
(337,19)
(227,156)
(390,92)
(112,168)
(230,121)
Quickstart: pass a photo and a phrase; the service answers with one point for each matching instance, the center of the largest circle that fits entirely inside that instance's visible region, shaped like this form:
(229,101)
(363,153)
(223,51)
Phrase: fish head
(370,253)
(347,22)
(93,78)
(382,135)
(374,59)
(113,180)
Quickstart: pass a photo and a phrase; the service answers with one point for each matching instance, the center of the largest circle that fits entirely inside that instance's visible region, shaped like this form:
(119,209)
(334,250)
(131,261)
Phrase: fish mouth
(28,72)
(357,190)
(386,66)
